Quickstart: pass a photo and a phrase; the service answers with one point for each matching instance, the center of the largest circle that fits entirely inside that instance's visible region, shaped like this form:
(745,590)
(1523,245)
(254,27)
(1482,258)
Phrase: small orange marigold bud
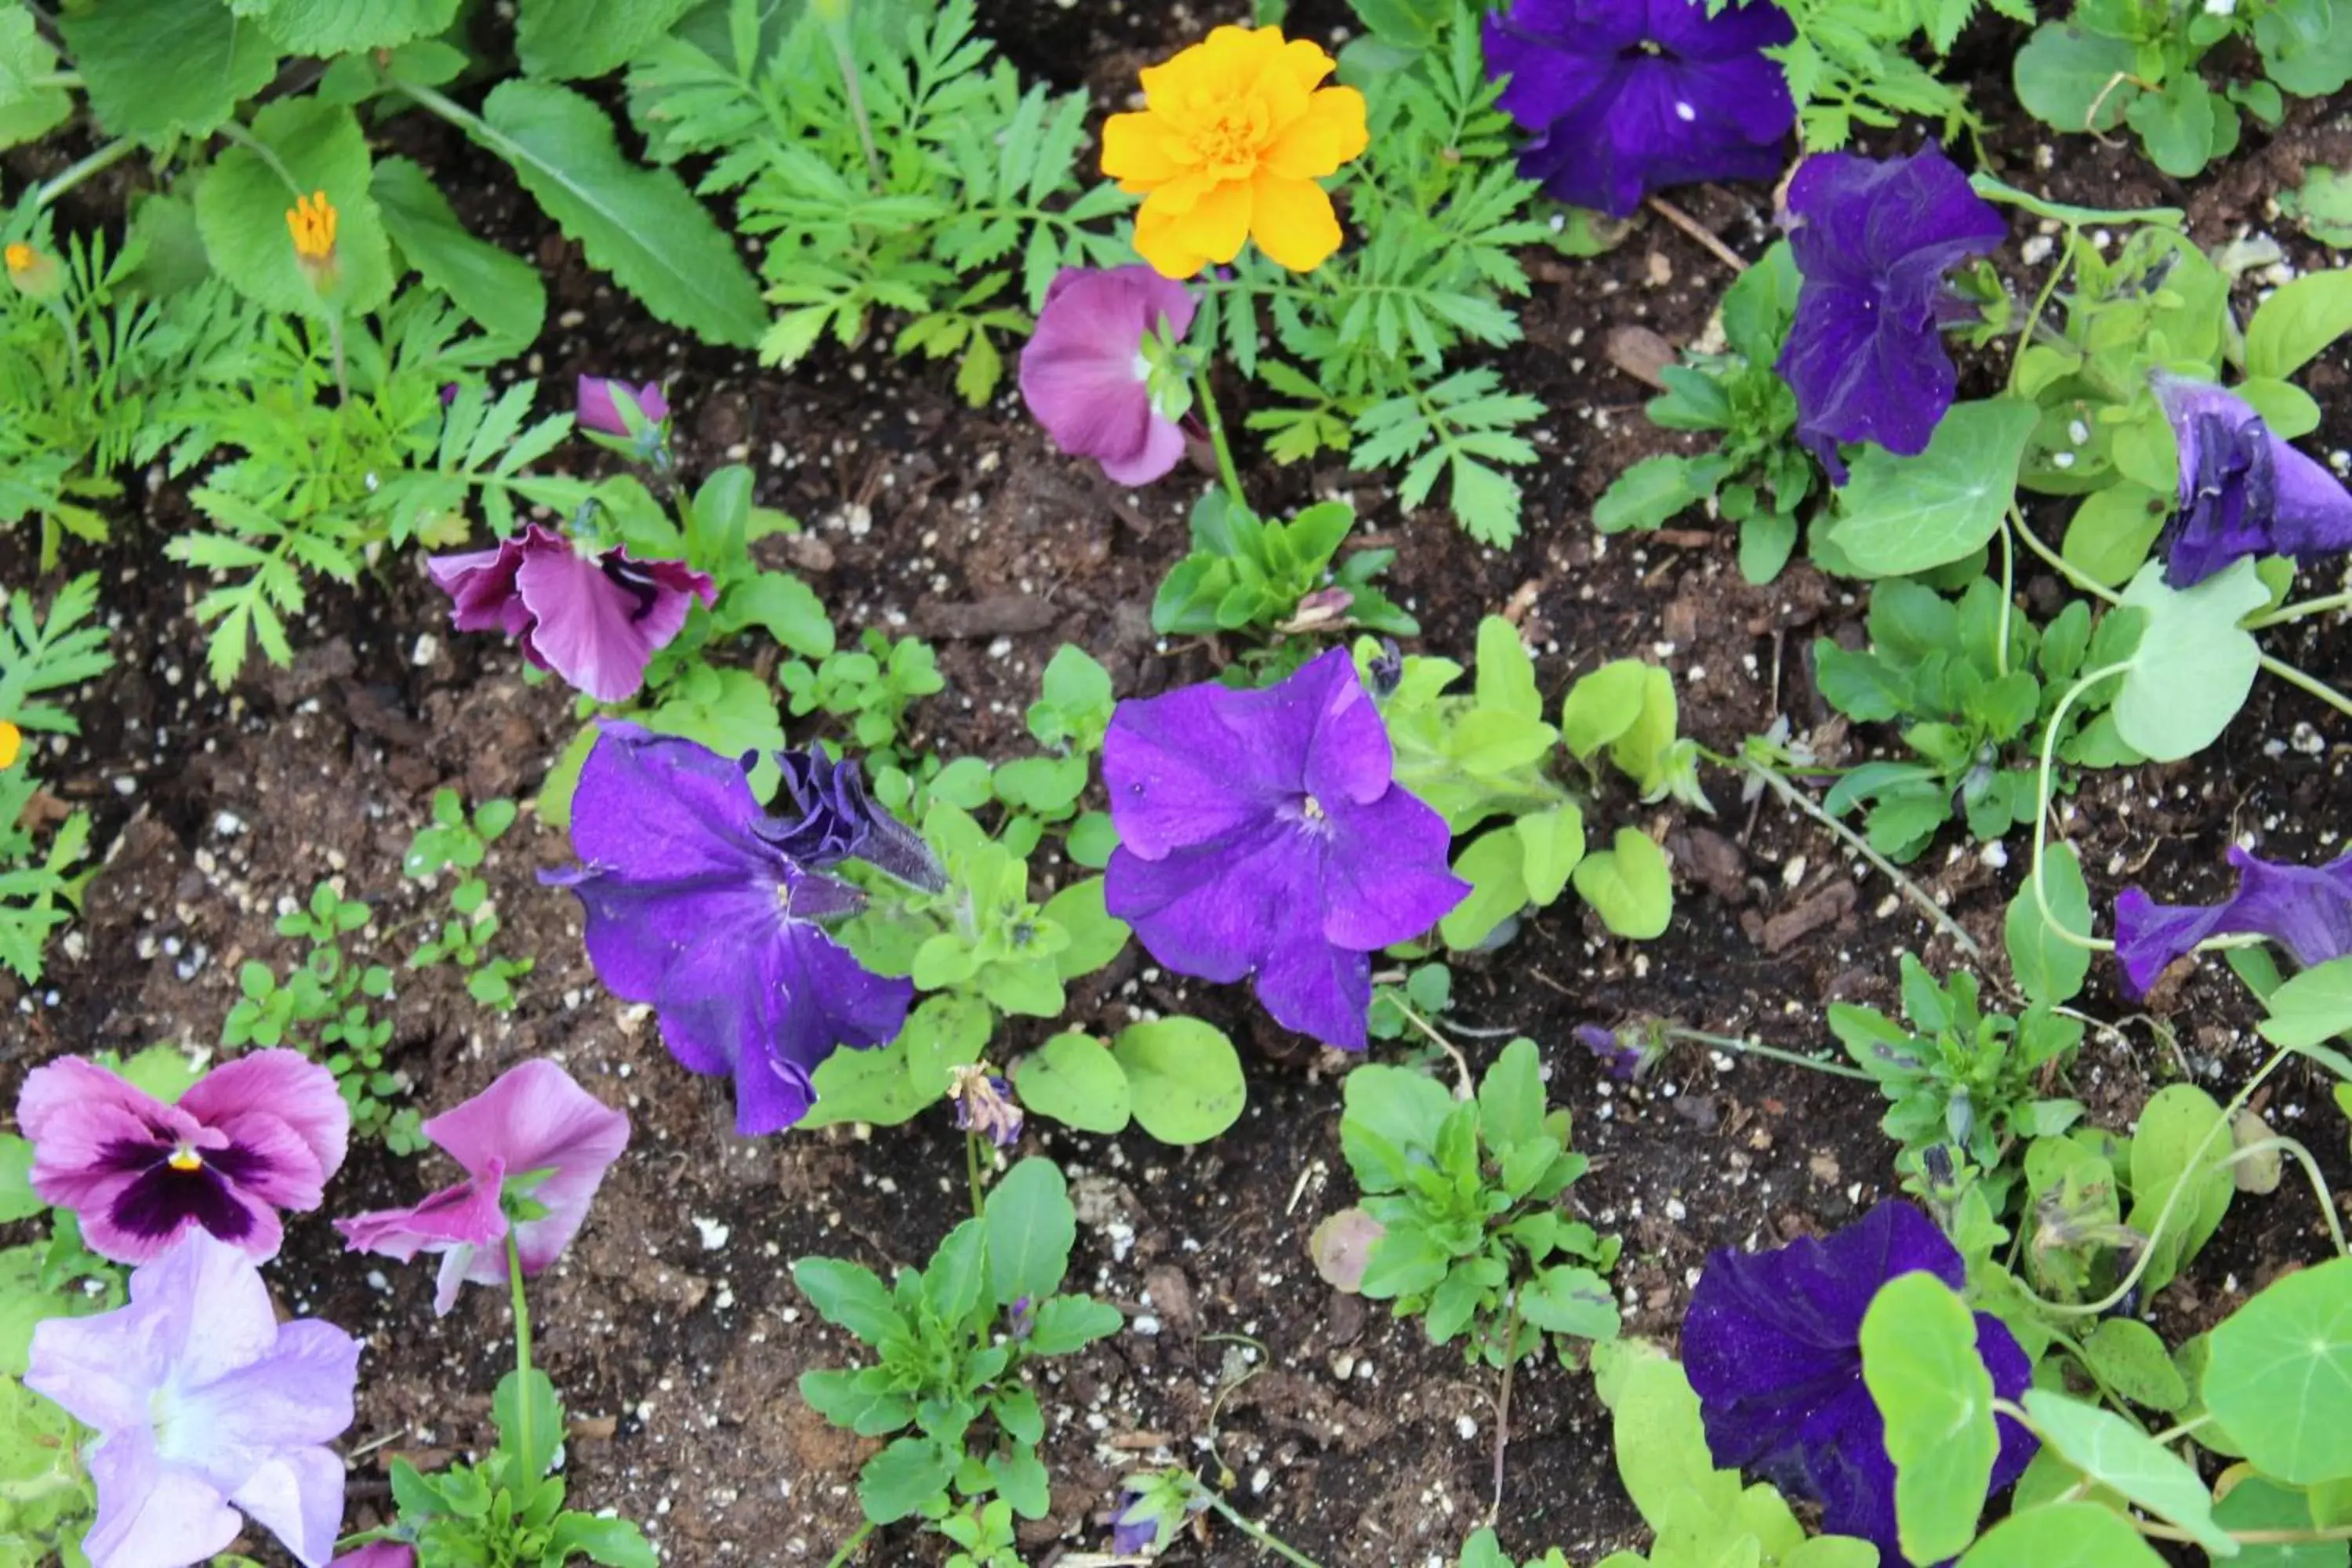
(311,221)
(32,272)
(11,740)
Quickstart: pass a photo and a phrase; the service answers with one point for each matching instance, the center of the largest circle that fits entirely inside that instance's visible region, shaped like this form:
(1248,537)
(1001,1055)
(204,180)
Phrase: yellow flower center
(1235,136)
(185,1158)
(311,221)
(21,259)
(12,740)
(1312,807)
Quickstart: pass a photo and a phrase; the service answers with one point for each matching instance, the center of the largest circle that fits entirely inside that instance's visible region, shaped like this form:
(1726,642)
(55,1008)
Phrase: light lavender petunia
(595,617)
(1086,376)
(251,1137)
(1773,1346)
(2243,491)
(2306,909)
(693,907)
(1261,834)
(1626,97)
(1874,238)
(533,1137)
(600,408)
(204,1405)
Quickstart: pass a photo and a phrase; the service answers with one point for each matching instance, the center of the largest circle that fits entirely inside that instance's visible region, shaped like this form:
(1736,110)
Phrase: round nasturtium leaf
(1184,1078)
(1629,885)
(1920,1362)
(2063,1535)
(1075,1079)
(2195,663)
(2279,1376)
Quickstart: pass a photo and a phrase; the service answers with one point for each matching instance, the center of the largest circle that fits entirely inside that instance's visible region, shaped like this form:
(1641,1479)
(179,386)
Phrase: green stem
(849,1547)
(2041,304)
(2057,562)
(1254,1530)
(2309,683)
(2042,809)
(971,1173)
(1758,1049)
(2284,1145)
(522,1351)
(1791,796)
(2302,609)
(1503,1403)
(1209,416)
(2008,603)
(105,158)
(844,55)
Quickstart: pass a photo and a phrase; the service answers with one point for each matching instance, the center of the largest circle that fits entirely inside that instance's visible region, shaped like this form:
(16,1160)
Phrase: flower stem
(1758,1049)
(2301,610)
(846,57)
(522,1353)
(1503,1405)
(105,158)
(2041,810)
(972,1174)
(2057,562)
(1226,469)
(849,1547)
(2308,683)
(1254,1530)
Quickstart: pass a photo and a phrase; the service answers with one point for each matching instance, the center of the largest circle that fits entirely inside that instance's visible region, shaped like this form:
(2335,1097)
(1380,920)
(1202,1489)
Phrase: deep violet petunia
(692,908)
(838,821)
(534,1135)
(1773,1347)
(2243,491)
(2306,909)
(1626,97)
(251,1137)
(1873,239)
(1261,834)
(204,1404)
(594,616)
(599,409)
(1086,377)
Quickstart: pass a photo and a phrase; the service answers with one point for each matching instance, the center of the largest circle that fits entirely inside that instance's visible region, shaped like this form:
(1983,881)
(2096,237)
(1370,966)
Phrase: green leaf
(1603,705)
(347,26)
(241,209)
(17,1199)
(2279,1375)
(1494,864)
(536,1392)
(1654,489)
(2312,1009)
(864,1085)
(1920,1362)
(955,1281)
(904,1477)
(156,67)
(2116,1453)
(2108,538)
(1901,515)
(1570,1301)
(2296,324)
(1097,936)
(1552,844)
(849,1297)
(2050,969)
(503,292)
(1629,885)
(1390,1112)
(1184,1078)
(641,225)
(27,110)
(1065,1323)
(615,1542)
(2256,1504)
(2131,1359)
(2180,1144)
(2063,1535)
(1506,679)
(2182,124)
(2194,665)
(567,39)
(1075,1079)
(1511,1097)
(1031,1229)
(2076,81)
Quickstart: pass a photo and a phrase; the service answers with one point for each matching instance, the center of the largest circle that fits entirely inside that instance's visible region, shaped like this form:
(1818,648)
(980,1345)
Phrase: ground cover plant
(927,680)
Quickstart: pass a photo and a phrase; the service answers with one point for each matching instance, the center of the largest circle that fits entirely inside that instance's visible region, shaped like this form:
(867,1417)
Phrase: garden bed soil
(672,1326)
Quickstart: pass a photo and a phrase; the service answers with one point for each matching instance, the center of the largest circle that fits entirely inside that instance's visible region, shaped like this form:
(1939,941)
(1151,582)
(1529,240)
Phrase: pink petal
(291,1089)
(594,631)
(535,1118)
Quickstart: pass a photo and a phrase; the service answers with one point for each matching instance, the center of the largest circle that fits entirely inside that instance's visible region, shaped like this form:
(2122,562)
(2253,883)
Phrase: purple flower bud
(600,411)
(2243,491)
(839,821)
(984,1104)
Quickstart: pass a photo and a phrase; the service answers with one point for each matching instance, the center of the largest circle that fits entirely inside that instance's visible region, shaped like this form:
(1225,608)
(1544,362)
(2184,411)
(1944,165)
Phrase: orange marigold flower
(32,272)
(311,221)
(1234,132)
(11,742)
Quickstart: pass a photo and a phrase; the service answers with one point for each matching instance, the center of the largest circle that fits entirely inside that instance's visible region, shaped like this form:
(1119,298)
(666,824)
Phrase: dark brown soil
(672,1327)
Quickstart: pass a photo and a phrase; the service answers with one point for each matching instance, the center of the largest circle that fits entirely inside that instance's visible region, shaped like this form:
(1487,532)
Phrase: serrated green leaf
(504,292)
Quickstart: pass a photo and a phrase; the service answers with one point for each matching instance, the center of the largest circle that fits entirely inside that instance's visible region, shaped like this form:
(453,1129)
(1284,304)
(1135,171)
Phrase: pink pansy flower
(595,617)
(204,1404)
(600,411)
(1085,376)
(534,1126)
(378,1554)
(256,1135)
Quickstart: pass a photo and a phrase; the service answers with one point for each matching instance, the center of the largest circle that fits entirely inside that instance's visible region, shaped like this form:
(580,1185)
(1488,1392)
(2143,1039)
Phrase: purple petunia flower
(600,409)
(1626,97)
(1260,834)
(1085,374)
(838,822)
(1773,1346)
(595,617)
(2243,491)
(693,908)
(1873,239)
(2306,909)
(204,1405)
(256,1135)
(535,1131)
(1620,1051)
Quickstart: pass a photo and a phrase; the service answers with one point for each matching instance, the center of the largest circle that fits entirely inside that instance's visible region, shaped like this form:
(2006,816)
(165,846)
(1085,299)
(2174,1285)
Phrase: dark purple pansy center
(633,580)
(173,1182)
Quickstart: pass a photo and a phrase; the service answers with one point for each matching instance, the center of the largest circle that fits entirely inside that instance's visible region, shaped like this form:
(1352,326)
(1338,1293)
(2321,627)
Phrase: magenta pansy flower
(696,905)
(594,616)
(2306,909)
(1626,97)
(1085,376)
(1873,239)
(1773,1346)
(251,1137)
(533,1137)
(204,1404)
(600,410)
(1261,834)
(2243,490)
(378,1554)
